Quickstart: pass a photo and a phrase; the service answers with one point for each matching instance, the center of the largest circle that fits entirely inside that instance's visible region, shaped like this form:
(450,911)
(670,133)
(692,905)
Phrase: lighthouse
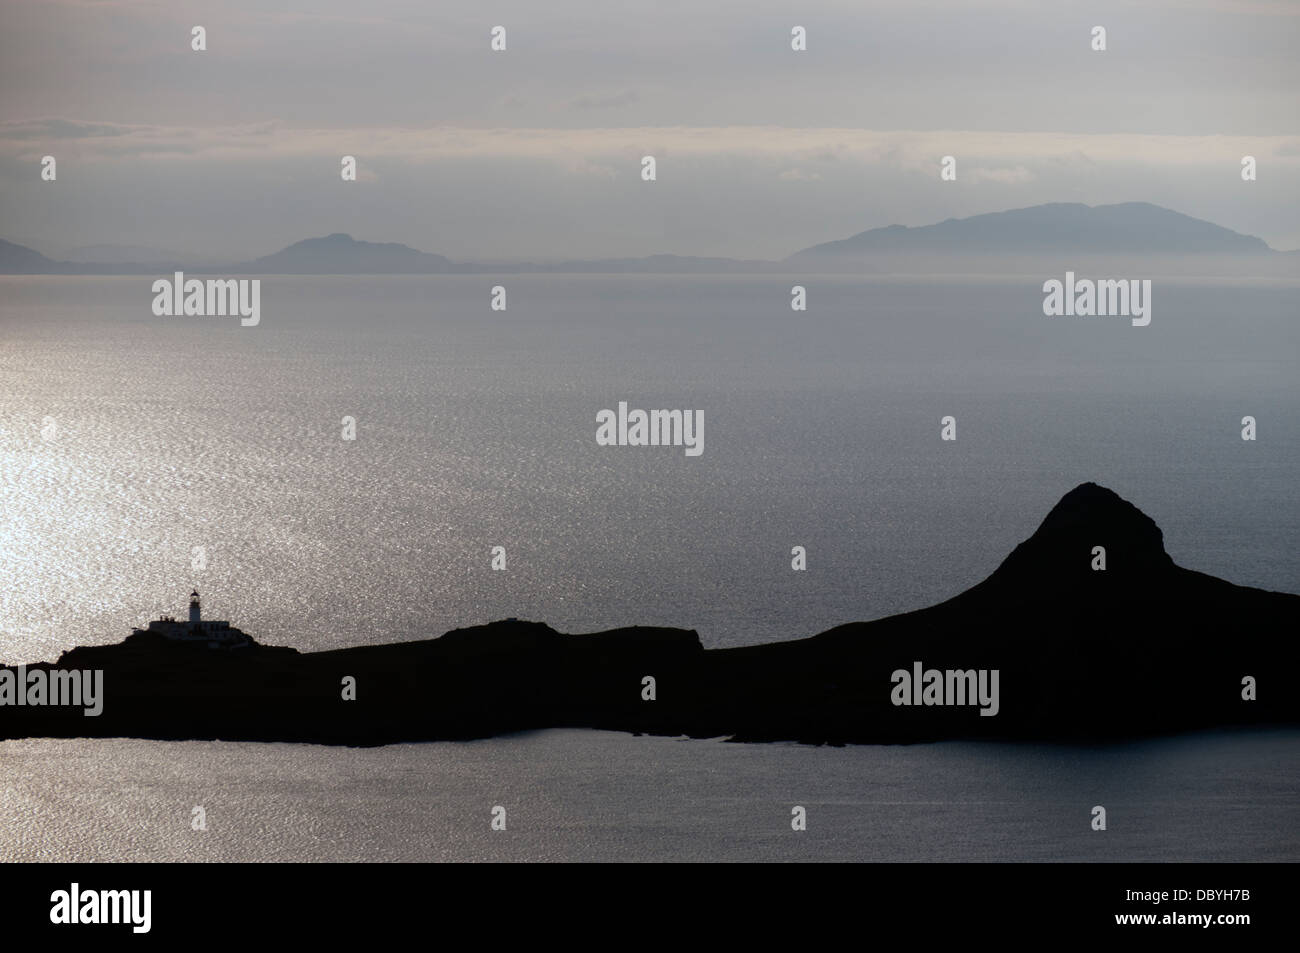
(217,633)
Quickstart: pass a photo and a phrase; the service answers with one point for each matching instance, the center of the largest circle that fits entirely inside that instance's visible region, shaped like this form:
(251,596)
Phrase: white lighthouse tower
(217,633)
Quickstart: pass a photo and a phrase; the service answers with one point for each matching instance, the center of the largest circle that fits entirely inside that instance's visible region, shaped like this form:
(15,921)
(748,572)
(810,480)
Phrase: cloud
(597,169)
(61,129)
(106,140)
(1005,176)
(625,98)
(1005,153)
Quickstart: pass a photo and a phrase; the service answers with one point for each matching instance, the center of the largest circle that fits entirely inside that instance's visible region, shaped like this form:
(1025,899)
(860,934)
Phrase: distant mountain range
(21,260)
(1129,229)
(342,254)
(1133,227)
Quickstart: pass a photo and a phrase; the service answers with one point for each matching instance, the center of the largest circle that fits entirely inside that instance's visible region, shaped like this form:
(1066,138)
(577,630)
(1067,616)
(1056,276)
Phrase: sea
(145,456)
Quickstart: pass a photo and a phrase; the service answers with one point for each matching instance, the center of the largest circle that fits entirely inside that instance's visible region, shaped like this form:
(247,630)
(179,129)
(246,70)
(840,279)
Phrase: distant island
(1132,227)
(997,239)
(1063,642)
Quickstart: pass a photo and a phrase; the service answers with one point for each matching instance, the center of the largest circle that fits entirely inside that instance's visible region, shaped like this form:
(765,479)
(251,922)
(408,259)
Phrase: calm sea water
(127,440)
(574,795)
(477,429)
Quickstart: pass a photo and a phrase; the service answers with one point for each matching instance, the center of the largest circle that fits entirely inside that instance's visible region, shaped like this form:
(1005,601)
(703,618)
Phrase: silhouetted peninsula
(1080,653)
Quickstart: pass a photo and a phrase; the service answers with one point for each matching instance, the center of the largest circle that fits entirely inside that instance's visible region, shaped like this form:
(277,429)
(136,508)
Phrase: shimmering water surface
(477,429)
(575,795)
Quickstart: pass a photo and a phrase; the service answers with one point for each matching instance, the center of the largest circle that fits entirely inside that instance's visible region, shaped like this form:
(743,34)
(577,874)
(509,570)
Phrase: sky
(535,153)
